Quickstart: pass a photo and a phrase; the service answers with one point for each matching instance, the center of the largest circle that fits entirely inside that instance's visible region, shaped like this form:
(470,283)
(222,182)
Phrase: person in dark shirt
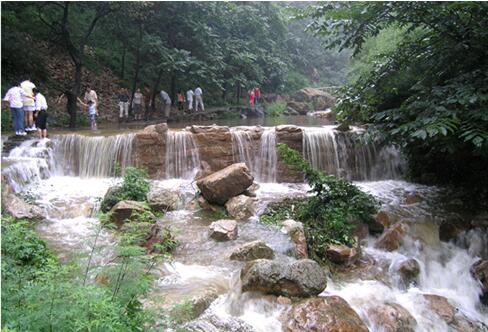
(123,104)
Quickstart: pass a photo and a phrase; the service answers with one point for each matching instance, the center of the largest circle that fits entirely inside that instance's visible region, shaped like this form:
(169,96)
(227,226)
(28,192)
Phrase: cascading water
(242,147)
(86,156)
(343,154)
(266,159)
(182,160)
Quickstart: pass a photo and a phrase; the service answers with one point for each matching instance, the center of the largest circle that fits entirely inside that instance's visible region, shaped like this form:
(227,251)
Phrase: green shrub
(134,187)
(6,120)
(275,108)
(331,213)
(277,212)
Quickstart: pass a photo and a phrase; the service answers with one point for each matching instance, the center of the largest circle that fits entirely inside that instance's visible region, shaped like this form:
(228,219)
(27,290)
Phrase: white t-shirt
(41,103)
(28,86)
(165,97)
(198,92)
(189,95)
(15,97)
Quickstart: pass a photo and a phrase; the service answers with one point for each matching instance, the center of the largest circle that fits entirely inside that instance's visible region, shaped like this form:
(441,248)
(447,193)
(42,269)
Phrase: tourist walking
(28,105)
(41,110)
(198,99)
(166,103)
(136,104)
(181,99)
(257,95)
(123,104)
(189,99)
(15,97)
(250,95)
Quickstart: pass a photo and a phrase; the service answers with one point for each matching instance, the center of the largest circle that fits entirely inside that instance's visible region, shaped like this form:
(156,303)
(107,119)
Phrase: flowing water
(200,267)
(181,155)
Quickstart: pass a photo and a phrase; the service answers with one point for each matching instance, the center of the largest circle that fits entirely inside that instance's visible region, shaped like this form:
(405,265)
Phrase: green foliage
(277,212)
(275,109)
(181,313)
(134,187)
(425,86)
(6,120)
(331,213)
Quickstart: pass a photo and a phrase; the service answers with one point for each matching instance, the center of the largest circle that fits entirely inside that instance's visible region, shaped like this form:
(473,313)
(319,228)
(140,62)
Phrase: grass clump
(275,109)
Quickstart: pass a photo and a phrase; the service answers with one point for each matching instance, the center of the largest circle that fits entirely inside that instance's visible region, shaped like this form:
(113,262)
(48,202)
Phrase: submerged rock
(412,199)
(210,322)
(251,251)
(223,230)
(160,199)
(392,238)
(379,222)
(341,254)
(479,270)
(295,230)
(330,313)
(226,183)
(409,271)
(392,317)
(146,234)
(300,278)
(18,208)
(124,210)
(240,207)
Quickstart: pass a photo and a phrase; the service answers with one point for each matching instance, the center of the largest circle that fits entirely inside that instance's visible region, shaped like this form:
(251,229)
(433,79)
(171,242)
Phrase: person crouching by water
(41,110)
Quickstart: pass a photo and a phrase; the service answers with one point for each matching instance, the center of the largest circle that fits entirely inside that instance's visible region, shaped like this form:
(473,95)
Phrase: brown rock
(251,251)
(409,271)
(479,270)
(295,231)
(223,230)
(18,208)
(202,202)
(226,183)
(123,210)
(341,254)
(283,300)
(240,207)
(160,199)
(441,306)
(391,239)
(329,115)
(392,317)
(299,107)
(330,313)
(214,145)
(319,98)
(381,220)
(412,199)
(149,144)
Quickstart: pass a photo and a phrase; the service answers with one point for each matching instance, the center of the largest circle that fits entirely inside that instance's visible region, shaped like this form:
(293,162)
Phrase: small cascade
(344,154)
(30,162)
(182,160)
(266,160)
(86,156)
(242,147)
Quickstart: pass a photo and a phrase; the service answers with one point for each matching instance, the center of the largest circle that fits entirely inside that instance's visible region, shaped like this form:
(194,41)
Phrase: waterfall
(86,156)
(242,147)
(181,157)
(265,163)
(344,154)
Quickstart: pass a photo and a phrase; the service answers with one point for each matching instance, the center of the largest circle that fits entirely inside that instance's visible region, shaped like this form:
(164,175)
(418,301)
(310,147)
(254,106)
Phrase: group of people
(254,96)
(137,100)
(28,107)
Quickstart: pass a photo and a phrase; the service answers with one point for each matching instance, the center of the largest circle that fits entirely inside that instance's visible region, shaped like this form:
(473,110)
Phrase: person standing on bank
(15,97)
(41,109)
(28,105)
(91,103)
(189,99)
(257,95)
(198,99)
(136,104)
(123,104)
(166,103)
(181,99)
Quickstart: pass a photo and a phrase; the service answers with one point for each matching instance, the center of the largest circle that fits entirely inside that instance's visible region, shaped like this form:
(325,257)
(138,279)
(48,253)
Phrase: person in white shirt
(41,109)
(189,99)
(198,99)
(167,103)
(15,97)
(28,105)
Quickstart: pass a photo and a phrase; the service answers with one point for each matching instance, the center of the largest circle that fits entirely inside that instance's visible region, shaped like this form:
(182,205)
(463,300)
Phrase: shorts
(92,117)
(29,108)
(41,121)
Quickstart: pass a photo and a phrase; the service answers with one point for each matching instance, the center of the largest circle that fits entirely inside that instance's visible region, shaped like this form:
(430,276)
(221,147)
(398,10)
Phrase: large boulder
(320,99)
(300,278)
(479,270)
(123,211)
(379,222)
(148,144)
(240,207)
(341,254)
(18,208)
(409,271)
(223,230)
(295,230)
(251,251)
(226,183)
(392,317)
(298,107)
(330,313)
(161,199)
(392,238)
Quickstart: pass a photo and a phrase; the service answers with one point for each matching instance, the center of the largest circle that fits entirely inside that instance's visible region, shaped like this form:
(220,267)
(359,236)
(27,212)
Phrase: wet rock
(343,127)
(479,270)
(251,251)
(204,170)
(18,208)
(251,191)
(379,222)
(300,278)
(283,300)
(160,199)
(329,115)
(214,145)
(330,313)
(293,137)
(66,210)
(210,322)
(202,202)
(124,210)
(201,302)
(148,145)
(451,227)
(240,207)
(341,254)
(226,183)
(160,129)
(223,230)
(391,239)
(298,107)
(392,317)
(295,230)
(412,199)
(146,234)
(481,220)
(409,271)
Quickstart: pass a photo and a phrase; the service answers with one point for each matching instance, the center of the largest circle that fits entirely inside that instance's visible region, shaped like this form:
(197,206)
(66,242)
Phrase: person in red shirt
(257,95)
(251,97)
